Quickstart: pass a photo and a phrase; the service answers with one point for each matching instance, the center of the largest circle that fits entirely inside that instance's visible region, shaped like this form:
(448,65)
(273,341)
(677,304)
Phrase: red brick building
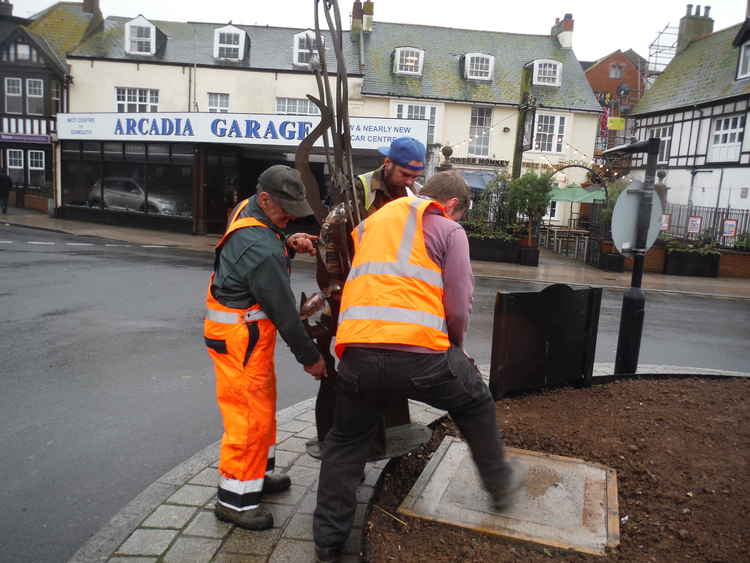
(618,81)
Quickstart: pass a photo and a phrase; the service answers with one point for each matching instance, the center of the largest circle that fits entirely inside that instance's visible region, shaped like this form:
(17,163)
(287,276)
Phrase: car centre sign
(235,128)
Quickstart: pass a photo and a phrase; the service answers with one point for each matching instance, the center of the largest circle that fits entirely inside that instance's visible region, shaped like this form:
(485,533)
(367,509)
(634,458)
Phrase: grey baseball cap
(286,187)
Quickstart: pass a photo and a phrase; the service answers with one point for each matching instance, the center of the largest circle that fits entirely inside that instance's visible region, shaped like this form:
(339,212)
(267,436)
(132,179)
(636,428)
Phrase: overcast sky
(600,27)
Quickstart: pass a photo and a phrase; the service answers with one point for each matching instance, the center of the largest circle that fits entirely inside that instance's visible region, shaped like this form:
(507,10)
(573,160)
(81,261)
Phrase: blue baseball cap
(406,152)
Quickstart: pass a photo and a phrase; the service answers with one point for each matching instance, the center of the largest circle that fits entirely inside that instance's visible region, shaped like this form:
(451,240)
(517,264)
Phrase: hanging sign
(729,228)
(616,124)
(694,225)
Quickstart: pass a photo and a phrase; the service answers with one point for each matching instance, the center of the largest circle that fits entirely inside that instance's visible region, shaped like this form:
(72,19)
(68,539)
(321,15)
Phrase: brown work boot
(502,496)
(276,483)
(327,554)
(254,519)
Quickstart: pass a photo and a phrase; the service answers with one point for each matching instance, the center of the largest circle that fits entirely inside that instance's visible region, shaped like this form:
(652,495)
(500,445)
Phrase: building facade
(698,108)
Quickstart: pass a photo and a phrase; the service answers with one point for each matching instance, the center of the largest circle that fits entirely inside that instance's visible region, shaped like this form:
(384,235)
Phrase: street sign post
(634,300)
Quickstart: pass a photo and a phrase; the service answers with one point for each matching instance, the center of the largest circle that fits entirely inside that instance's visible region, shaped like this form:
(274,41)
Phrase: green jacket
(252,268)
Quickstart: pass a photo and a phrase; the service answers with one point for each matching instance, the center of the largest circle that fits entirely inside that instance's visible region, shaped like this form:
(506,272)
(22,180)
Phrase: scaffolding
(661,51)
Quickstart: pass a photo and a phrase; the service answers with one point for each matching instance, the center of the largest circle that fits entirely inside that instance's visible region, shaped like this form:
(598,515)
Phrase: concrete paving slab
(564,502)
(147,542)
(169,516)
(206,525)
(195,550)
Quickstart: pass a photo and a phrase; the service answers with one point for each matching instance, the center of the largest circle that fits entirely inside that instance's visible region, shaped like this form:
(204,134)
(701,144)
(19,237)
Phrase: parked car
(128,194)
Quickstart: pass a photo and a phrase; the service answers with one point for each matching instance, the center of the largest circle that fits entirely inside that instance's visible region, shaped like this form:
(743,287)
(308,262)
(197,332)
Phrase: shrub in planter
(492,246)
(742,242)
(692,257)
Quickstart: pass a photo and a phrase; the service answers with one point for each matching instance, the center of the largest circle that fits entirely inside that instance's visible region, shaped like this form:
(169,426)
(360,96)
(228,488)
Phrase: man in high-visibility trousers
(404,311)
(249,297)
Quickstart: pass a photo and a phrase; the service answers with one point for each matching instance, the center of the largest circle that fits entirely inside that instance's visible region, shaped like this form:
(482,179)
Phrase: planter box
(494,250)
(734,264)
(529,256)
(39,203)
(678,263)
(612,262)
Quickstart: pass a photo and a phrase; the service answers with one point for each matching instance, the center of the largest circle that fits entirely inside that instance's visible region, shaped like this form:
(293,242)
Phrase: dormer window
(478,66)
(140,37)
(408,60)
(547,73)
(744,67)
(229,43)
(305,46)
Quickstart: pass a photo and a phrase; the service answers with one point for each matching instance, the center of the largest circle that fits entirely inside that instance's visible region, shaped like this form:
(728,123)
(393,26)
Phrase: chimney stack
(357,16)
(368,11)
(6,8)
(694,25)
(91,6)
(563,31)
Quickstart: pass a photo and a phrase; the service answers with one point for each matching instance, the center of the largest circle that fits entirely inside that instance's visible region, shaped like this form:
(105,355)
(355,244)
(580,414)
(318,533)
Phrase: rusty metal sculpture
(334,247)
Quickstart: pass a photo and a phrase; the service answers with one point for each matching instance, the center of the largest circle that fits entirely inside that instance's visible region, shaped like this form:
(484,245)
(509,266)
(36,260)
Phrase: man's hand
(318,369)
(302,242)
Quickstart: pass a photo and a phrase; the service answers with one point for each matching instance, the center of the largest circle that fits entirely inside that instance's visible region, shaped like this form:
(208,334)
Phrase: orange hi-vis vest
(394,292)
(215,311)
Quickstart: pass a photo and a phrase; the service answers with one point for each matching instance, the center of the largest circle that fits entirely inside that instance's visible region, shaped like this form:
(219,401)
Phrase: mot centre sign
(235,128)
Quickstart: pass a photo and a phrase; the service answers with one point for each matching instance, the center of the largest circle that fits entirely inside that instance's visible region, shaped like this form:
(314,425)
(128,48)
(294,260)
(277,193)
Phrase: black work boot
(502,496)
(327,554)
(254,519)
(276,483)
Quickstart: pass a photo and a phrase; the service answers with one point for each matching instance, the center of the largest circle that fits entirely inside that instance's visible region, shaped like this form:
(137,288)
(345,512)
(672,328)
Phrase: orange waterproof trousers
(241,344)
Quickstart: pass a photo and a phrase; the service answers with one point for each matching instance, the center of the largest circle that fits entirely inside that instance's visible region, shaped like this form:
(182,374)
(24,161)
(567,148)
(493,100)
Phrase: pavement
(172,519)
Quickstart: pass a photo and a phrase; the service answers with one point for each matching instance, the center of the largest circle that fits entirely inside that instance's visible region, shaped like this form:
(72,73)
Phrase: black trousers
(367,379)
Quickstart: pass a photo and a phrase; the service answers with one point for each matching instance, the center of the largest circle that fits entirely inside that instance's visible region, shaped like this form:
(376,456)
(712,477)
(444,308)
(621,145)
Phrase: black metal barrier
(544,339)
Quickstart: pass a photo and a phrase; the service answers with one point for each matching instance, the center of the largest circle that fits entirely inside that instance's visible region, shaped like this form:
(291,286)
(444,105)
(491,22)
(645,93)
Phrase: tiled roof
(703,72)
(192,43)
(442,78)
(63,25)
(44,45)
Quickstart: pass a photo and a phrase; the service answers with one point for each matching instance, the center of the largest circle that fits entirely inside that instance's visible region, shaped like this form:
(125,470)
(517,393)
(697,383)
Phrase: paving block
(194,495)
(301,475)
(359,515)
(300,527)
(307,415)
(251,542)
(285,459)
(563,502)
(293,495)
(353,542)
(293,444)
(132,560)
(364,493)
(281,513)
(205,524)
(146,542)
(282,435)
(293,425)
(308,461)
(209,477)
(169,516)
(307,506)
(223,557)
(195,550)
(309,433)
(293,551)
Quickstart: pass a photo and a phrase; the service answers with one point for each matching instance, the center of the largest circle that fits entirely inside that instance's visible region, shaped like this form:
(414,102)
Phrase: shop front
(185,171)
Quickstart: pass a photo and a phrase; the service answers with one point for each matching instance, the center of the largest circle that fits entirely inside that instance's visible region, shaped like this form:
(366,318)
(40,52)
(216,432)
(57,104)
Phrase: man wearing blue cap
(404,163)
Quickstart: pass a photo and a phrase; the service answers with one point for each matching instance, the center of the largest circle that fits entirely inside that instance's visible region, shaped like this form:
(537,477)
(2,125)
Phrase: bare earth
(680,447)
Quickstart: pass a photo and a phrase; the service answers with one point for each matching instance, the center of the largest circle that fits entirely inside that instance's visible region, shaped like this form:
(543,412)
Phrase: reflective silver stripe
(409,270)
(232,318)
(393,314)
(402,266)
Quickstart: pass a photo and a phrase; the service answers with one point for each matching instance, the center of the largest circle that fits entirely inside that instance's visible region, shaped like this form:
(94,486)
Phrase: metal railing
(693,221)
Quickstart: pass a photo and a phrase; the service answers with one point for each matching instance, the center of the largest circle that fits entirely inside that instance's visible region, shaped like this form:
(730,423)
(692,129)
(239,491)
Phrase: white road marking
(38,242)
(154,246)
(79,244)
(120,245)
(6,242)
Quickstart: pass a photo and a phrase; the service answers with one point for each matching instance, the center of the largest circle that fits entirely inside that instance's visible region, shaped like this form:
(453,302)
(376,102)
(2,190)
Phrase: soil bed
(680,448)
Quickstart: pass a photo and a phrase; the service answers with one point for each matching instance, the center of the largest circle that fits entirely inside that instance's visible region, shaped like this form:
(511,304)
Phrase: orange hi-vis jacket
(394,292)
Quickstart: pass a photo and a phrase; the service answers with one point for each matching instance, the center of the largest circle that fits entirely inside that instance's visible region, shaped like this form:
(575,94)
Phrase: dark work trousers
(367,379)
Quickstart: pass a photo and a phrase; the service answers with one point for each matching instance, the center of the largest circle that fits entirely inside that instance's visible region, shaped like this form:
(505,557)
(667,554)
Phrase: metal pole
(634,300)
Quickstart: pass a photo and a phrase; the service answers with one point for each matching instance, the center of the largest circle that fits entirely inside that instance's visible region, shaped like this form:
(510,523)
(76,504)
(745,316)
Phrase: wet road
(106,385)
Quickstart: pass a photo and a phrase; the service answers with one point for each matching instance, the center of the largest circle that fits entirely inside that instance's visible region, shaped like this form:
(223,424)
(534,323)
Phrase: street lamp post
(634,300)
